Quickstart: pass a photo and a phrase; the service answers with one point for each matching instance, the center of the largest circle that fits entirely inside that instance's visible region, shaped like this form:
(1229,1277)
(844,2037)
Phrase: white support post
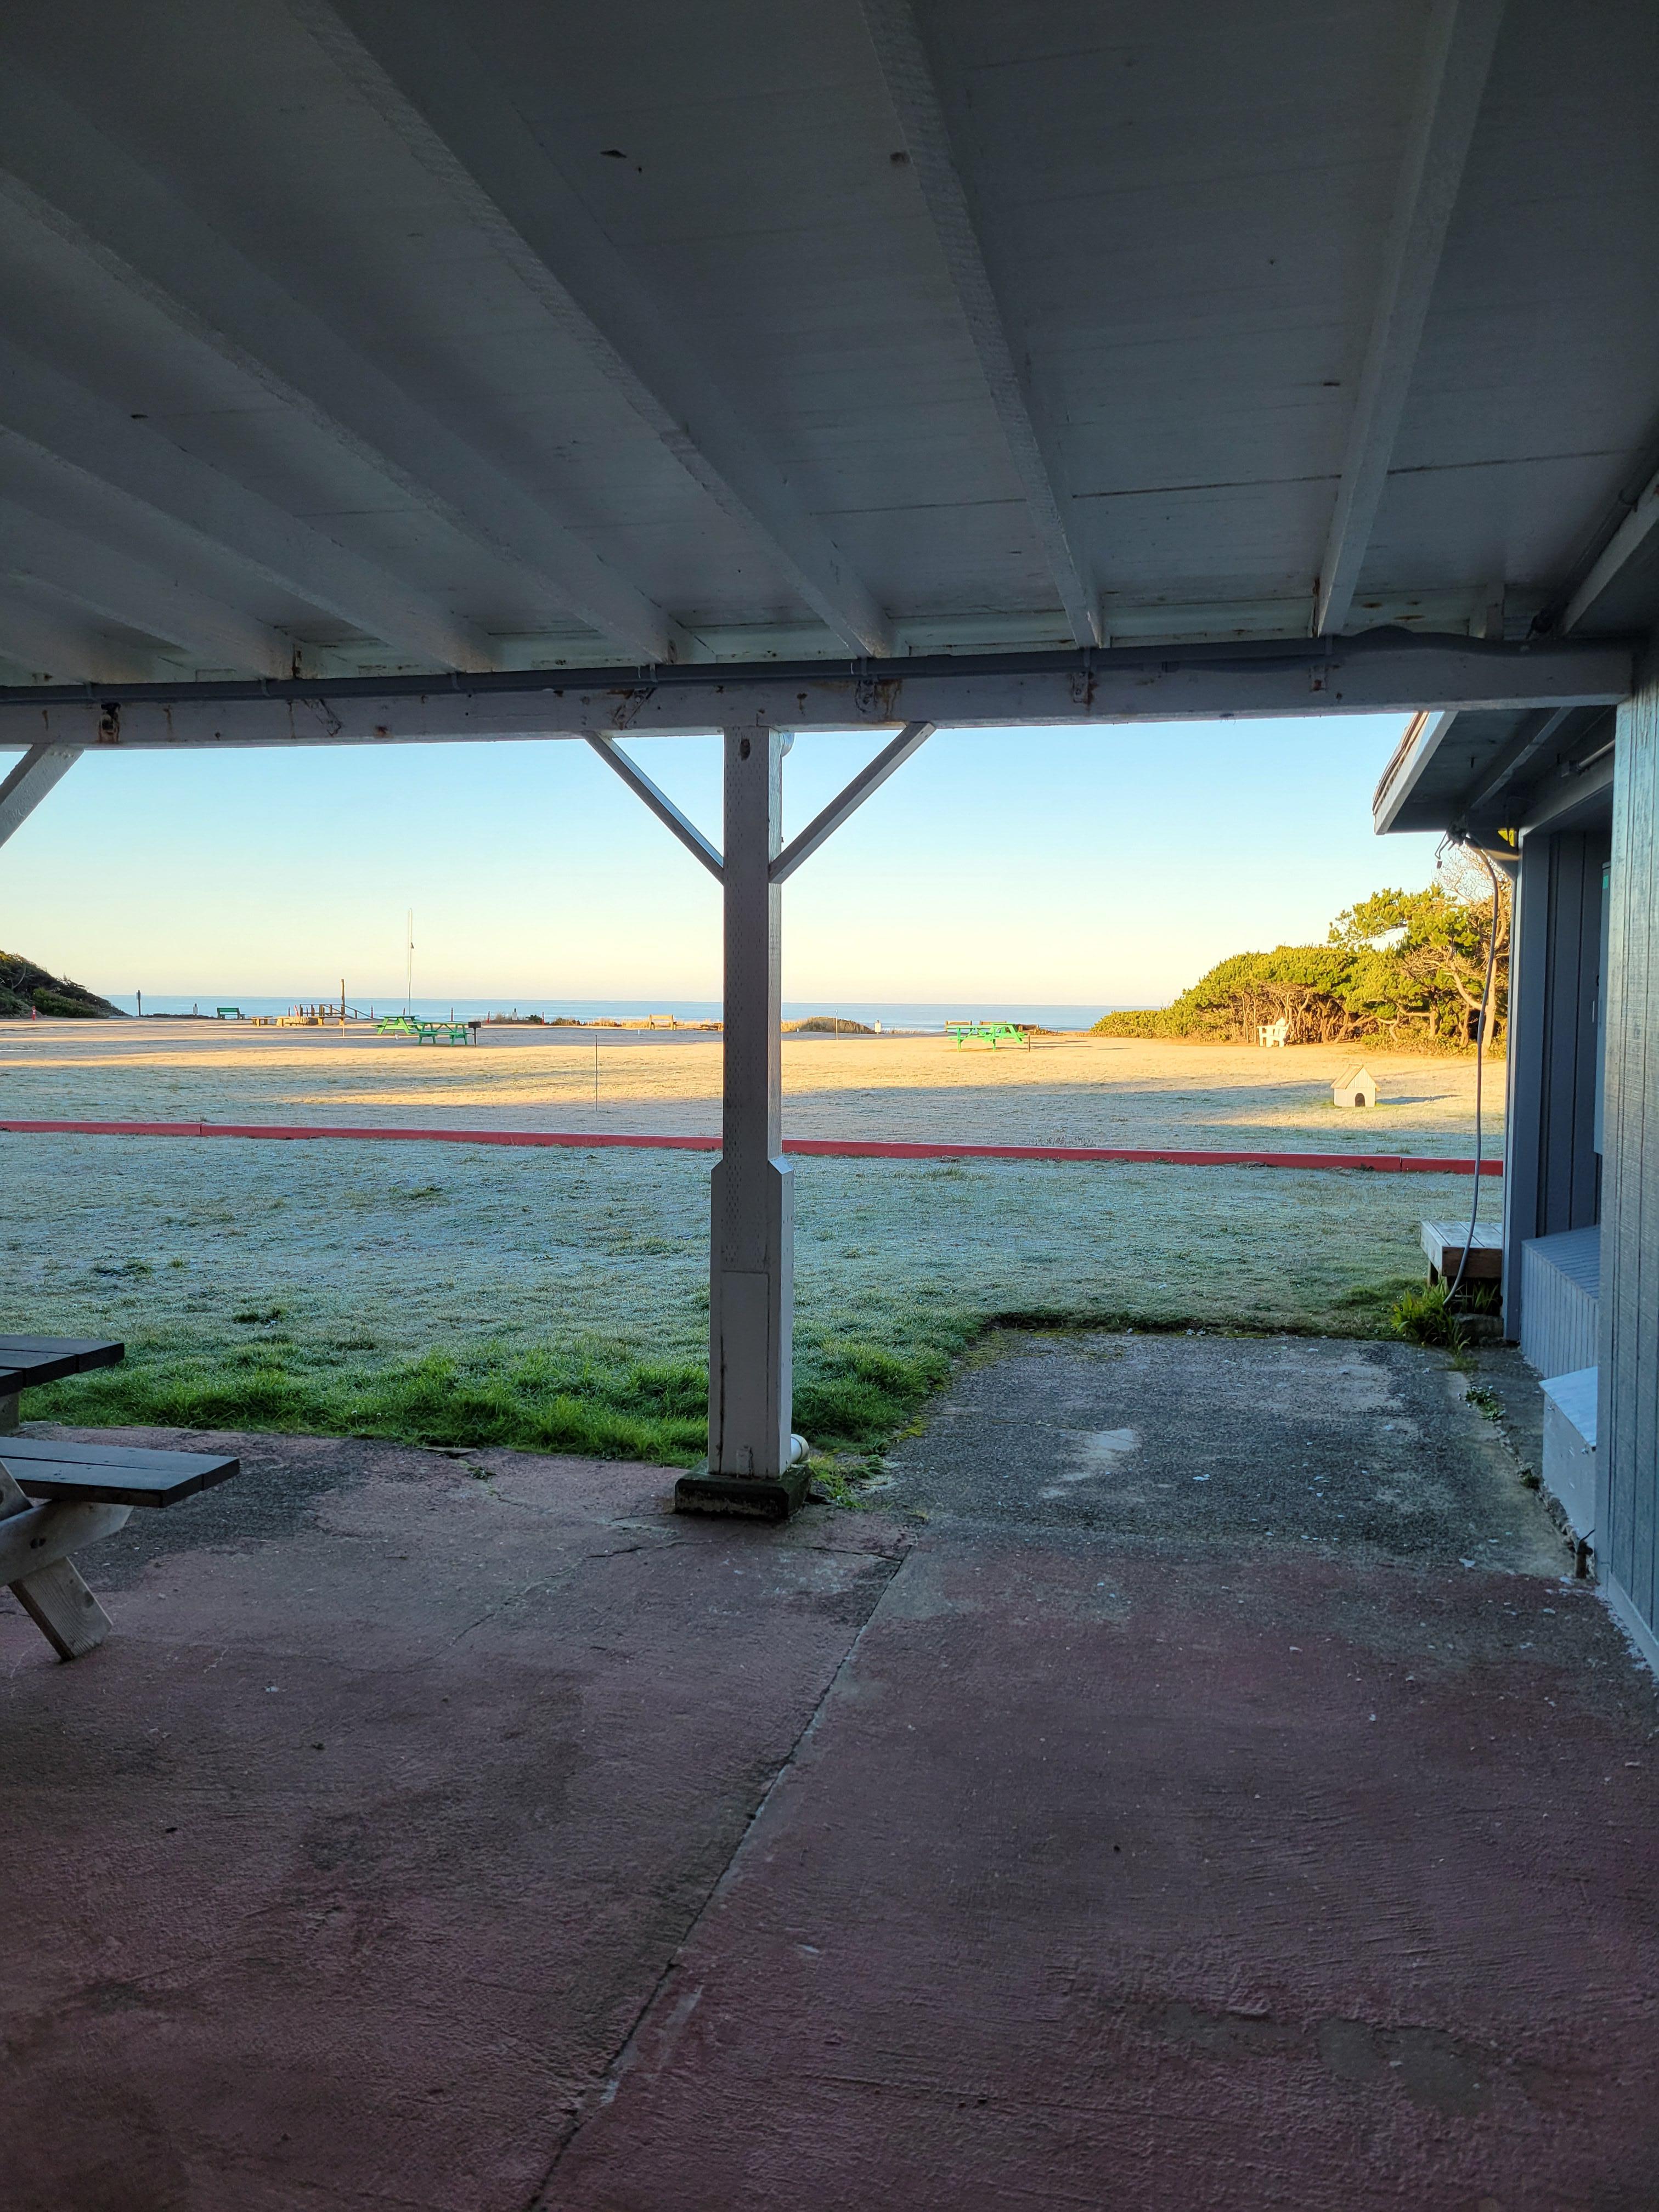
(755,1463)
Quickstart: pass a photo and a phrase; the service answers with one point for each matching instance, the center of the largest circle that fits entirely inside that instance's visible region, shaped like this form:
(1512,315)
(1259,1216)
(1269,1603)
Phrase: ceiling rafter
(115,587)
(1456,58)
(55,649)
(74,426)
(410,61)
(69,178)
(1030,440)
(1523,749)
(1640,520)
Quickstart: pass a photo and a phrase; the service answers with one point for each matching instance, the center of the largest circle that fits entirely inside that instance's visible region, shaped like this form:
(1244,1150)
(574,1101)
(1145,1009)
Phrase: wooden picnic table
(57,1494)
(28,1362)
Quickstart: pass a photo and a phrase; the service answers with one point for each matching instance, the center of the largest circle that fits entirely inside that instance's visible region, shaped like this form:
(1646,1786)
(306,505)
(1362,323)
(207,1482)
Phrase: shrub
(1407,965)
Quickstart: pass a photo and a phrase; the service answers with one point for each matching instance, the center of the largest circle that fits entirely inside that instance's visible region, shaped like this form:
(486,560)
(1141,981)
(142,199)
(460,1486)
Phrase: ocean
(892,1014)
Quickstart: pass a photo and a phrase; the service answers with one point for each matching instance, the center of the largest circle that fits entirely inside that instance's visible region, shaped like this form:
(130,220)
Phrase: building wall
(1552,1172)
(1627,1538)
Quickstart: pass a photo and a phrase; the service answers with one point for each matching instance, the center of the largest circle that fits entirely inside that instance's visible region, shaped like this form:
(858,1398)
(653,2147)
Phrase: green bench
(991,1033)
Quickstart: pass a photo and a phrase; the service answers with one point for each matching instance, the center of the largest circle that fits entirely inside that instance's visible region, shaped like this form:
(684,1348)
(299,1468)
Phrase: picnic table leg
(55,1597)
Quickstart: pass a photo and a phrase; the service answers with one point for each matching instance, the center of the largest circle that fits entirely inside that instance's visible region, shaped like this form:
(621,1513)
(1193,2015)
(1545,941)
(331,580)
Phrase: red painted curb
(822,1147)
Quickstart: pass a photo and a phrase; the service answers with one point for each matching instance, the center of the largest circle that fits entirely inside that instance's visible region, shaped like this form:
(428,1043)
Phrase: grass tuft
(850,1395)
(1424,1314)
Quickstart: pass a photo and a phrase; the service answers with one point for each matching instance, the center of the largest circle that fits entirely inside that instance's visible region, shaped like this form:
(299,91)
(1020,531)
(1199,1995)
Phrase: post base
(755,1497)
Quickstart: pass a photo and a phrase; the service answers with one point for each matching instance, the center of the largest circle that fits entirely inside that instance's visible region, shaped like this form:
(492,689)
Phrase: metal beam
(1614,558)
(40,768)
(62,419)
(70,179)
(659,803)
(1456,59)
(823,826)
(1394,671)
(1031,443)
(412,62)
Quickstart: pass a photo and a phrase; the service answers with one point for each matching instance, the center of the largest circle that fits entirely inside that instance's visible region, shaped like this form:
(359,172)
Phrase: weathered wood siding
(1628,1420)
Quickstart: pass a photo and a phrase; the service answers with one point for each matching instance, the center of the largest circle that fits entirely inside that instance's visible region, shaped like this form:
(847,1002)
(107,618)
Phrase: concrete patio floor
(1197,1786)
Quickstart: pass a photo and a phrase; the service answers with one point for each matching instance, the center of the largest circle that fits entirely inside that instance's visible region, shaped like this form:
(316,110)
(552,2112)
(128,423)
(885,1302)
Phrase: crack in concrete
(623,2056)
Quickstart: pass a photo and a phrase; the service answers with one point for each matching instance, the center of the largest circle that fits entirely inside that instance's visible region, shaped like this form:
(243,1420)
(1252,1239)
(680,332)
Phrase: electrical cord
(1480,1058)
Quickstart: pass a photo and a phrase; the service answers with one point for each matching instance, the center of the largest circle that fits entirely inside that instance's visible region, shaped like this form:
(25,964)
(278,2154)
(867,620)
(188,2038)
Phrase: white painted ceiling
(409,334)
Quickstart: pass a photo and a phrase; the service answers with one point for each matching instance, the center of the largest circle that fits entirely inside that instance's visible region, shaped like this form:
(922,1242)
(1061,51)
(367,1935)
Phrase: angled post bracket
(22,792)
(659,803)
(823,826)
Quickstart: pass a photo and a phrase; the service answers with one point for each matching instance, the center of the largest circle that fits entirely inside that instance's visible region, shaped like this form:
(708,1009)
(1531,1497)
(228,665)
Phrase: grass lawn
(557,1301)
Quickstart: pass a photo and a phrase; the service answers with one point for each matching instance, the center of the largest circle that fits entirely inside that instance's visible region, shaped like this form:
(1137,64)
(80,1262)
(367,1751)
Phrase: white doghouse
(1359,1089)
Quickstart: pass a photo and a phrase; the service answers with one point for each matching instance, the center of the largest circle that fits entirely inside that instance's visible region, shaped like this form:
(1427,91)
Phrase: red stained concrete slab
(1114,1881)
(1180,1810)
(339,1874)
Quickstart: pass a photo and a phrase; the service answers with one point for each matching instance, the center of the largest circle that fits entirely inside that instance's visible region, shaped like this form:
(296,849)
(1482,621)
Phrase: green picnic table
(991,1033)
(425,1032)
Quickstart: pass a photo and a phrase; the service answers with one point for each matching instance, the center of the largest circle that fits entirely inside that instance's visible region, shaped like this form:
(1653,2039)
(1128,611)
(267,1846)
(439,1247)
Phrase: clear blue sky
(1110,865)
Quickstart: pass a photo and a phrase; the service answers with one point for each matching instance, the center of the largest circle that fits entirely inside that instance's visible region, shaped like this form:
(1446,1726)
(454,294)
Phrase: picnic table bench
(56,1495)
(991,1033)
